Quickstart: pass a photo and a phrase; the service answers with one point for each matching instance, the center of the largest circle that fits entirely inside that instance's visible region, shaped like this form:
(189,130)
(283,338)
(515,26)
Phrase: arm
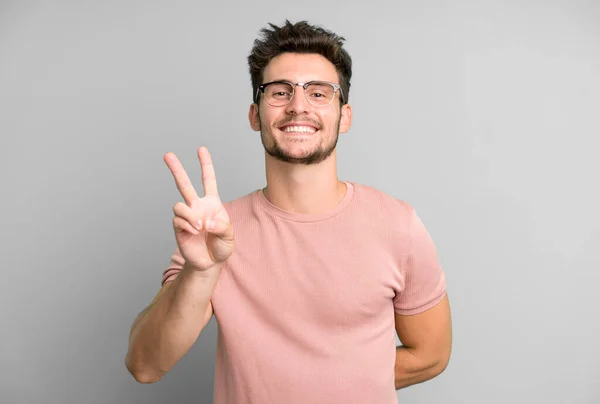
(426,344)
(170,325)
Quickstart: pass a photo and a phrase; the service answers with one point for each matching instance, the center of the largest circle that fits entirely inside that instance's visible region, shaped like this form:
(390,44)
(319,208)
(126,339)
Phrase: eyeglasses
(317,93)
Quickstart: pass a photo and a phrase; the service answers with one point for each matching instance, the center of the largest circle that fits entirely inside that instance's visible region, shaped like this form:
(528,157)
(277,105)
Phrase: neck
(304,189)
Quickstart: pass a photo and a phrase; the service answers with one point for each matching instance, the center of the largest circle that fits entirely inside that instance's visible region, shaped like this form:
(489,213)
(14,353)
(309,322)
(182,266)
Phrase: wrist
(197,272)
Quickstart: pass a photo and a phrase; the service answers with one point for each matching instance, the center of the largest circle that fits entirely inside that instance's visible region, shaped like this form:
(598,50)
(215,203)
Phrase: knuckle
(178,208)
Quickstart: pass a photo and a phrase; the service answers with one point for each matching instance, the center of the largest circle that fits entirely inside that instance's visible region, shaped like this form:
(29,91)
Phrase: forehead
(300,67)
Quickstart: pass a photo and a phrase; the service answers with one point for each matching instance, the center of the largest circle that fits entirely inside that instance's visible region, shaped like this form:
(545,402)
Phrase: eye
(320,91)
(280,91)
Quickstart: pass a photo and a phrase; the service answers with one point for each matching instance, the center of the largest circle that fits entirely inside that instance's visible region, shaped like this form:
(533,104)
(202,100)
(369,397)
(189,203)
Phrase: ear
(346,118)
(253,117)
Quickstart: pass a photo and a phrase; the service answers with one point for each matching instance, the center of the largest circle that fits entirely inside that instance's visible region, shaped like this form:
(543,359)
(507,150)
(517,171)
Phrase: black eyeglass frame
(336,88)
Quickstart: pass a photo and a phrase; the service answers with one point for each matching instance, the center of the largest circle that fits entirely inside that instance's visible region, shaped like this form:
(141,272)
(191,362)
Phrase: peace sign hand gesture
(203,229)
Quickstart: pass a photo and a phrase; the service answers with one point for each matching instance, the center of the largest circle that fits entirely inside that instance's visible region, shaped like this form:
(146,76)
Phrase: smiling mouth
(299,129)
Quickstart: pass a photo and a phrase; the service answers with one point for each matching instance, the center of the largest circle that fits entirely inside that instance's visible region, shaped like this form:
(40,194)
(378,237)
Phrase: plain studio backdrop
(483,115)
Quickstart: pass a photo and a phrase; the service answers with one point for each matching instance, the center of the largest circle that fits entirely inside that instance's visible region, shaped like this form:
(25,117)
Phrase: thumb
(220,228)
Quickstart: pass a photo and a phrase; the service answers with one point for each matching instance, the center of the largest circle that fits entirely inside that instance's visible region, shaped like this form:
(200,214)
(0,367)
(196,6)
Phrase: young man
(321,273)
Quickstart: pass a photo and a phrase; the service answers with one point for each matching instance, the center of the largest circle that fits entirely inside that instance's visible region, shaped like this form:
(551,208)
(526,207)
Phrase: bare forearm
(410,369)
(170,325)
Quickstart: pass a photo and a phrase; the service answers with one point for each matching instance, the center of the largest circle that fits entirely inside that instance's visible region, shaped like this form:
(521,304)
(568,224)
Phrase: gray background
(484,116)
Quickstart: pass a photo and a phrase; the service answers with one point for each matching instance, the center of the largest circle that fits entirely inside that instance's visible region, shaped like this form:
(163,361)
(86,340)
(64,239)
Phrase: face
(299,132)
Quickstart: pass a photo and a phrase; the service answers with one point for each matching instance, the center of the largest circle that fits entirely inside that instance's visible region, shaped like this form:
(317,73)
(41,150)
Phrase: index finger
(209,179)
(184,185)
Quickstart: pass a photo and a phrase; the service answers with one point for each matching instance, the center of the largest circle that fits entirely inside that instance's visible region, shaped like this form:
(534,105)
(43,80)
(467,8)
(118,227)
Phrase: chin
(298,157)
(296,149)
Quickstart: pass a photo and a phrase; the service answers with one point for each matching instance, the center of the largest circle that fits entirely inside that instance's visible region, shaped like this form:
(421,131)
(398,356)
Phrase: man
(321,273)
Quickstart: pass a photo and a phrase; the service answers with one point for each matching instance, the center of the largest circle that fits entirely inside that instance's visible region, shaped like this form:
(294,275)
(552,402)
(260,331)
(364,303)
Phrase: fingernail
(210,224)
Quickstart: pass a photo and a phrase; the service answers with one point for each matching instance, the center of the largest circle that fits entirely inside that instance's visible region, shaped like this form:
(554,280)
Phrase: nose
(298,104)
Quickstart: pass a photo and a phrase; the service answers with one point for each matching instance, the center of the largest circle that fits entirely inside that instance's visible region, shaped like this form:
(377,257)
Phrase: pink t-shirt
(305,305)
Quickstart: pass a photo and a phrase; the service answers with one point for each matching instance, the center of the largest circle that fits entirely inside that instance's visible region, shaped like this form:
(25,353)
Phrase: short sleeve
(424,279)
(173,268)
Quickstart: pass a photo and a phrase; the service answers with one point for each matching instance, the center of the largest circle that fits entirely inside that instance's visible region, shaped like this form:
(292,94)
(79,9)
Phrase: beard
(315,156)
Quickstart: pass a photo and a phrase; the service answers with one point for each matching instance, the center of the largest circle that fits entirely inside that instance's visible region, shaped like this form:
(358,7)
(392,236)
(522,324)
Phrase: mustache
(312,122)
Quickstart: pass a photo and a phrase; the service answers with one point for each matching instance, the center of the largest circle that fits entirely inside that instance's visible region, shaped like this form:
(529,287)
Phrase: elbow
(141,373)
(441,364)
(145,378)
(433,367)
(439,368)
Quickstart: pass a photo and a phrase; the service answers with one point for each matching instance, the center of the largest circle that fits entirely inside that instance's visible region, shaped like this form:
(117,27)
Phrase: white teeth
(299,129)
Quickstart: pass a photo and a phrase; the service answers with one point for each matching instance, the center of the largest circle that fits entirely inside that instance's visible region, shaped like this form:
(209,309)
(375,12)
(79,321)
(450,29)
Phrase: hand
(202,226)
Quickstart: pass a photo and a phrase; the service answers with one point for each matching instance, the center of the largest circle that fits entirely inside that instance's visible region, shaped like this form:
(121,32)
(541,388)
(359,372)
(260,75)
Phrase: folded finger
(182,225)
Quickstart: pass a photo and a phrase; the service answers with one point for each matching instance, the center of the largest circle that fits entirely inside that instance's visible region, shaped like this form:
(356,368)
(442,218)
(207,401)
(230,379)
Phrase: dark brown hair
(300,37)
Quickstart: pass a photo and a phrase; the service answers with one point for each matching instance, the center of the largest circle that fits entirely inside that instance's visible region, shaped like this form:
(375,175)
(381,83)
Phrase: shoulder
(241,202)
(243,206)
(374,199)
